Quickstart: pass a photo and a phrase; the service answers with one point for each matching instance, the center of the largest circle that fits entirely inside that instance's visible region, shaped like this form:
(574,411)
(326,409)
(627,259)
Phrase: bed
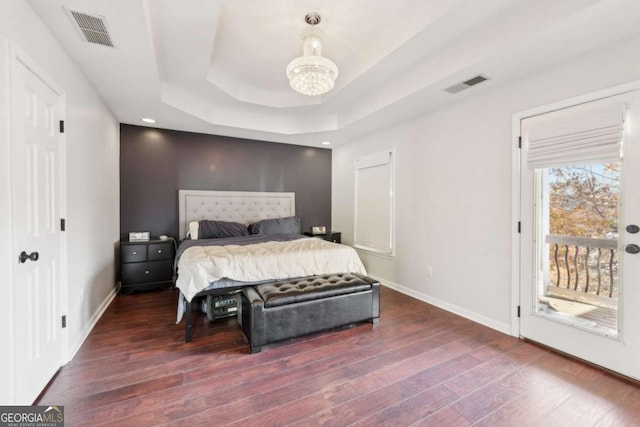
(227,262)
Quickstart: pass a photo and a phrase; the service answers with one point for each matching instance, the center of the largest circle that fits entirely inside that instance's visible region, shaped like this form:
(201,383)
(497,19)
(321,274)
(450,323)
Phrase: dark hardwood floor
(419,366)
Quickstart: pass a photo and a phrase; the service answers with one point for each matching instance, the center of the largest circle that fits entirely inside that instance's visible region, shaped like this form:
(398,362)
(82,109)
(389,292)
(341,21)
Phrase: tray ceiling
(218,66)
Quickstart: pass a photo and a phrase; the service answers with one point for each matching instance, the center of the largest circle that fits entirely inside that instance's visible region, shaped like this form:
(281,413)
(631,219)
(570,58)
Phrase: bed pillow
(215,229)
(193,230)
(289,225)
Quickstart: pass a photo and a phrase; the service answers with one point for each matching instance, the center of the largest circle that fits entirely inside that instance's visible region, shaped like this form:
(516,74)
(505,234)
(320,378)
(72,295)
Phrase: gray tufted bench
(286,309)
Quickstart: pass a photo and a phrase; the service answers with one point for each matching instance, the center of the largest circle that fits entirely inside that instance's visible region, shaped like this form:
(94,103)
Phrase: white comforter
(199,266)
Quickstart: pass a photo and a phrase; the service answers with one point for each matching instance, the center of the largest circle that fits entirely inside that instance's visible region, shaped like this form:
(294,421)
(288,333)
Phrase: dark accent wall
(156,163)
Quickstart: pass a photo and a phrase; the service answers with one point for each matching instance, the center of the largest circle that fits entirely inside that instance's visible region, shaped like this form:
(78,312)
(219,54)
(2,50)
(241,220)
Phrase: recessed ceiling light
(326,143)
(148,120)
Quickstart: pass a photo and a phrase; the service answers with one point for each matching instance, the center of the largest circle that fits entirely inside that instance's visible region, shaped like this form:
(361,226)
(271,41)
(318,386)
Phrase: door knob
(632,228)
(632,249)
(33,256)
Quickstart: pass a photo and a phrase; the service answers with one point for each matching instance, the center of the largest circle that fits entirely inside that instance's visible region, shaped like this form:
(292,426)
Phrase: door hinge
(519,142)
(63,224)
(61,126)
(64,321)
(519,226)
(518,311)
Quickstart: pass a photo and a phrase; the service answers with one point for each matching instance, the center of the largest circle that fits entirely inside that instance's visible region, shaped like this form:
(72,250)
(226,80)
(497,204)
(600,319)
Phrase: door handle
(33,256)
(632,249)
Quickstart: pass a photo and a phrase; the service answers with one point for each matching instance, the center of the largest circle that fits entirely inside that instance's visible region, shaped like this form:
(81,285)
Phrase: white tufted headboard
(239,206)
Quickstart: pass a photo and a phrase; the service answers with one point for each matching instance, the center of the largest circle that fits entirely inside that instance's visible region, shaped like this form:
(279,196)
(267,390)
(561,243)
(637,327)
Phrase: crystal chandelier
(312,74)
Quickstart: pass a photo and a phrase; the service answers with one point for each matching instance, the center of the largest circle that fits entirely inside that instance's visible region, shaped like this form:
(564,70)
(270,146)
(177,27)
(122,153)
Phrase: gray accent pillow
(216,229)
(289,225)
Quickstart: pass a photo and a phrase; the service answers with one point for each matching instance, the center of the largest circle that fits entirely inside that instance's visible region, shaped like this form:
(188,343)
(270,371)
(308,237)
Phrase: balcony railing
(583,265)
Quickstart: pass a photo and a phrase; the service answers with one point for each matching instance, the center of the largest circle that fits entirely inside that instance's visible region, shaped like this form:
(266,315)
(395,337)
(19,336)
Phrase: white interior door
(36,195)
(581,295)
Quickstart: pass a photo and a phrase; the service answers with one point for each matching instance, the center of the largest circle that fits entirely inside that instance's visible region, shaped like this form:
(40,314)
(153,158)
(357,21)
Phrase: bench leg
(375,320)
(187,323)
(255,349)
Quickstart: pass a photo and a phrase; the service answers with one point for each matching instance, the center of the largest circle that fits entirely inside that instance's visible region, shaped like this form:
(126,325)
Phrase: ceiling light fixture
(148,120)
(325,143)
(312,74)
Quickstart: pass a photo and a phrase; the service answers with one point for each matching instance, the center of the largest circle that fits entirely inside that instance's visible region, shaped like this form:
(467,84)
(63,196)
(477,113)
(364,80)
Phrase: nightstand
(146,265)
(331,236)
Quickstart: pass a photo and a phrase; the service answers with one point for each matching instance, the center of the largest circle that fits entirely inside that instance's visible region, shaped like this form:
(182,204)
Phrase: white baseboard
(483,320)
(92,322)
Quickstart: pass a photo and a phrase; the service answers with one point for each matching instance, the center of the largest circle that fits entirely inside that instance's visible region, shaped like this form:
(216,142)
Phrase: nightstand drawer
(147,272)
(133,253)
(331,236)
(159,251)
(334,237)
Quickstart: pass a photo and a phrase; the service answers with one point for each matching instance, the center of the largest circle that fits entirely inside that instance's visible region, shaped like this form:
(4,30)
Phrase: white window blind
(373,227)
(576,135)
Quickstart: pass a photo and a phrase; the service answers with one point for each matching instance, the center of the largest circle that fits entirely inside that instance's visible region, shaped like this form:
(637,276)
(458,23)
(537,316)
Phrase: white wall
(92,169)
(453,186)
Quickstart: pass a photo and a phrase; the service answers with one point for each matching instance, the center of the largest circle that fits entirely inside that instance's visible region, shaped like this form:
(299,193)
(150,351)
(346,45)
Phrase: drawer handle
(146,272)
(159,251)
(135,253)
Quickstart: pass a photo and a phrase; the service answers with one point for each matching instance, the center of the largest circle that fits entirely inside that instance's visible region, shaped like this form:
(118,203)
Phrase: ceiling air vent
(91,28)
(466,84)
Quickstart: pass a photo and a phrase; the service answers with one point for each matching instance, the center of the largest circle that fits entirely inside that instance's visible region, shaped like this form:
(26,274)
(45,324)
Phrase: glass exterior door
(579,275)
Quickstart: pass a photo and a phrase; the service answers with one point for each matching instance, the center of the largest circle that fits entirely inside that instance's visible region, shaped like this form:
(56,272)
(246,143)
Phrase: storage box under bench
(273,312)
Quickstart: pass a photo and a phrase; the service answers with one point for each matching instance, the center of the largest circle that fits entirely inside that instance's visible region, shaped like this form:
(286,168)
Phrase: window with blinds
(374,192)
(576,135)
